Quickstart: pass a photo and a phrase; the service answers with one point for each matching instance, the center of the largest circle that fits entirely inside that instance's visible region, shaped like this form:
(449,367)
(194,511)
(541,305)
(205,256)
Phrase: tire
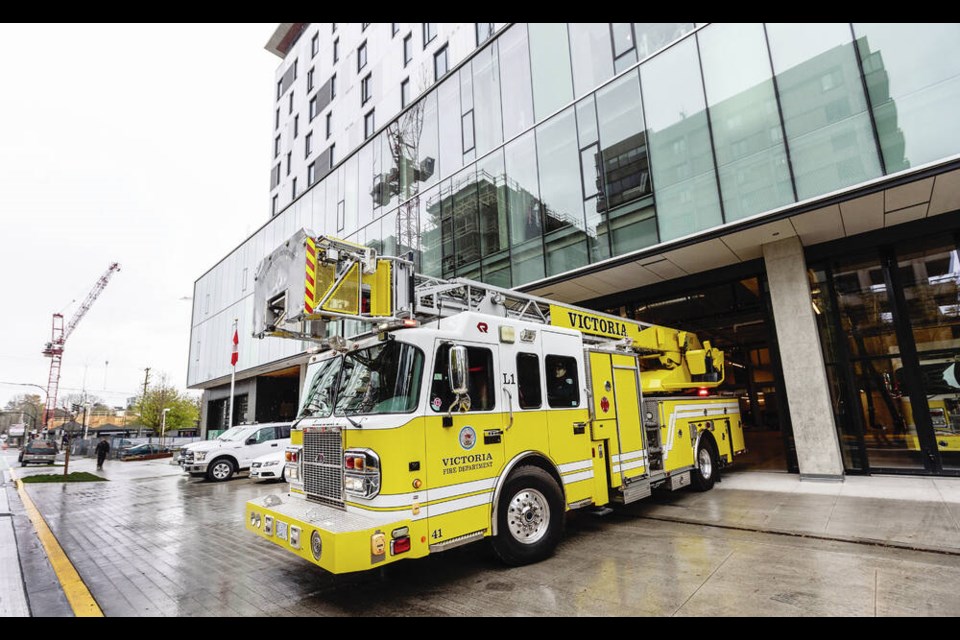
(23,464)
(705,472)
(220,470)
(530,517)
(283,474)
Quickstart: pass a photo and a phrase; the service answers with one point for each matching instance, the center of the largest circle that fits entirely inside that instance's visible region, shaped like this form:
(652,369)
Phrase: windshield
(384,378)
(234,434)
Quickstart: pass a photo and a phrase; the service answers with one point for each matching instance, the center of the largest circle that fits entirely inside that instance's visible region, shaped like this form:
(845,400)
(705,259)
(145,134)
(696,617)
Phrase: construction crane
(59,335)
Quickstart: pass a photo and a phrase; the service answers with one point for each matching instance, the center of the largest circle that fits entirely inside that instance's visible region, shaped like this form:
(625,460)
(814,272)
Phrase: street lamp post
(163,425)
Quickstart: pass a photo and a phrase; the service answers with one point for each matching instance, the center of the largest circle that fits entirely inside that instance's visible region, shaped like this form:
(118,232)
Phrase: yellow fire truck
(460,411)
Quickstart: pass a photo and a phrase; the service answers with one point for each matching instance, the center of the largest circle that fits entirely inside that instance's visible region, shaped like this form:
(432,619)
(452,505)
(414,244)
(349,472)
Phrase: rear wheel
(705,473)
(219,470)
(530,517)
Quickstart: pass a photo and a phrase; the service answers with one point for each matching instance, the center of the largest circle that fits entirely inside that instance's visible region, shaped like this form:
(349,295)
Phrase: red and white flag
(235,355)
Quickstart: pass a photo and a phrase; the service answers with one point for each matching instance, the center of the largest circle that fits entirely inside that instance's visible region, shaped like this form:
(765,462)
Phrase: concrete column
(804,374)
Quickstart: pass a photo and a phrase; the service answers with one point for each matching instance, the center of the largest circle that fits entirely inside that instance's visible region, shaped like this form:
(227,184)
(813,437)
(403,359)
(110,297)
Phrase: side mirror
(251,440)
(457,371)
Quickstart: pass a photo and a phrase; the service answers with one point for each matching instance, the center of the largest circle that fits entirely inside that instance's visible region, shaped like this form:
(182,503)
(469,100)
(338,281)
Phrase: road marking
(81,600)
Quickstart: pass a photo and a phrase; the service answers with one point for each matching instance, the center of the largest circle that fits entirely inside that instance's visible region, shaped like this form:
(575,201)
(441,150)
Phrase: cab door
(464,448)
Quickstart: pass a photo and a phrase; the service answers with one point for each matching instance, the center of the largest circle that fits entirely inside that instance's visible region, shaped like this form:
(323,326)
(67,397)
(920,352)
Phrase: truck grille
(323,465)
(187,457)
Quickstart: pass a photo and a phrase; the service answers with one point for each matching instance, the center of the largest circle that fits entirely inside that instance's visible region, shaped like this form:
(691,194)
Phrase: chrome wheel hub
(706,463)
(528,516)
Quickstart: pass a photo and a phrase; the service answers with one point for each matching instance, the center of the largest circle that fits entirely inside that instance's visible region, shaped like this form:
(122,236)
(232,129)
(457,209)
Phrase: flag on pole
(235,355)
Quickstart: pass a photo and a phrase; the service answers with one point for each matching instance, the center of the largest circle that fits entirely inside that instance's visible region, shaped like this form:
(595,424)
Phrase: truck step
(599,511)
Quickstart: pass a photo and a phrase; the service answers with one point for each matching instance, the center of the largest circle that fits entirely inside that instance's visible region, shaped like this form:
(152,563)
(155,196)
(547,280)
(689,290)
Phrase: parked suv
(233,450)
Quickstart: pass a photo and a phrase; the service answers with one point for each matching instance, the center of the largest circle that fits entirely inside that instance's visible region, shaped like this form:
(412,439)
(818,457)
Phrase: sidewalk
(907,512)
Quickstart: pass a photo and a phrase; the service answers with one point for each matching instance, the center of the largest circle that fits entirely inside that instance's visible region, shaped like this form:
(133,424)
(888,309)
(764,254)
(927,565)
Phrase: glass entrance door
(890,329)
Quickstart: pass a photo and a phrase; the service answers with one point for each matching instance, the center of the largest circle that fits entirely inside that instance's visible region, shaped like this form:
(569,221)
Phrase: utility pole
(146,381)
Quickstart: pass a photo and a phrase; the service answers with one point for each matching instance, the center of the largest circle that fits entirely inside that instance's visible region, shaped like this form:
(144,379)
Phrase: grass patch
(76,476)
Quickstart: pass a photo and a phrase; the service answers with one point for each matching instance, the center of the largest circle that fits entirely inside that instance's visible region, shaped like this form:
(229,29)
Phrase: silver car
(39,452)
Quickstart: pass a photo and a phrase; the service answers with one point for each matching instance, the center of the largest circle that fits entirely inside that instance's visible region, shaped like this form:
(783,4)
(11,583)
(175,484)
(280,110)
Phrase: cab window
(563,389)
(480,384)
(528,381)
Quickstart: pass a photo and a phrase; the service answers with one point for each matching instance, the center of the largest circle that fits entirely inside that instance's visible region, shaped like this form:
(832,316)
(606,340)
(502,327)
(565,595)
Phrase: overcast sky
(147,145)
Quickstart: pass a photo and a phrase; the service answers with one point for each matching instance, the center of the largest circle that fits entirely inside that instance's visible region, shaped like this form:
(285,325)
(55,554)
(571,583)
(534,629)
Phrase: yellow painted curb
(79,597)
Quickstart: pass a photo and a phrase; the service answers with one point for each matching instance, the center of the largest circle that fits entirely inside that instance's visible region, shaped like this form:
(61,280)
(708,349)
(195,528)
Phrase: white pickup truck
(233,450)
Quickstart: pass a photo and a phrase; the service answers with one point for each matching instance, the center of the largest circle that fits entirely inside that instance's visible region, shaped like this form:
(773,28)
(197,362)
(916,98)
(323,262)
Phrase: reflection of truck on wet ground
(459,411)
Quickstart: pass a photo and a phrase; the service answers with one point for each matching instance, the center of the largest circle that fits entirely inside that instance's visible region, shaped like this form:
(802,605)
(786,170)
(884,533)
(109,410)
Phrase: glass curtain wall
(555,145)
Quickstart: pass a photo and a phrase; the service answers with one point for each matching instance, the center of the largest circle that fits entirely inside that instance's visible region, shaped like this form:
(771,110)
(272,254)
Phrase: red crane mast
(59,335)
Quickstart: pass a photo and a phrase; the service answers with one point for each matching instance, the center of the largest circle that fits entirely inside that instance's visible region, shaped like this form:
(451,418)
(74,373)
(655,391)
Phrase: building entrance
(734,316)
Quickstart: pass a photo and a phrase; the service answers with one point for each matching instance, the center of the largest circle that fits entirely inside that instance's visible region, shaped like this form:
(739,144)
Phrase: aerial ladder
(58,338)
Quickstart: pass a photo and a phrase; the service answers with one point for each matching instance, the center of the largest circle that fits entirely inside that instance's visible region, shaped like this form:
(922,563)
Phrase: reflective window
(461,197)
(591,54)
(825,115)
(679,141)
(913,76)
(650,37)
(624,51)
(451,151)
(440,63)
(550,67)
(523,207)
(516,88)
(494,228)
(428,208)
(559,169)
(624,173)
(486,92)
(748,140)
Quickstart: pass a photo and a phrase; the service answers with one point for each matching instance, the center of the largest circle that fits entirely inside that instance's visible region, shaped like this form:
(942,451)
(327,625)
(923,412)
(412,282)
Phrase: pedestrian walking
(103,448)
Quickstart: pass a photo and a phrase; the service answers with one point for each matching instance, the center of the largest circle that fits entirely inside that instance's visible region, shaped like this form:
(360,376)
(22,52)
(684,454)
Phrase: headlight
(199,456)
(361,473)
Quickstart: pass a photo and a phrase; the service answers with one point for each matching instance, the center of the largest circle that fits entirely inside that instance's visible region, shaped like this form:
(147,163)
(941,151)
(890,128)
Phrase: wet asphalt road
(154,542)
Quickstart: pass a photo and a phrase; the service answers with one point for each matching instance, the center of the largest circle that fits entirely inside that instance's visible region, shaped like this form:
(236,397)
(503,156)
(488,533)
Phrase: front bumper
(349,541)
(195,467)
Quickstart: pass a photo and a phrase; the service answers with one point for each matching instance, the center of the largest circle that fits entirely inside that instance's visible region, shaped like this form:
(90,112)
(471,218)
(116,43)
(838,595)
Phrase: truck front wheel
(219,470)
(530,517)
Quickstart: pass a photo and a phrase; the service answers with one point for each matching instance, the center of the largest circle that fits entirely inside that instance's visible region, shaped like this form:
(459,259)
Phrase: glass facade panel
(494,228)
(428,139)
(486,96)
(748,139)
(591,53)
(428,208)
(825,114)
(559,170)
(913,77)
(653,36)
(451,150)
(516,86)
(462,197)
(524,210)
(550,67)
(685,185)
(625,169)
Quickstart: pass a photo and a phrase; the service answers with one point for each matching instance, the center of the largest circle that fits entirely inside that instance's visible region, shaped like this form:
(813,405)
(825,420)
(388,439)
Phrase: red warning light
(702,392)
